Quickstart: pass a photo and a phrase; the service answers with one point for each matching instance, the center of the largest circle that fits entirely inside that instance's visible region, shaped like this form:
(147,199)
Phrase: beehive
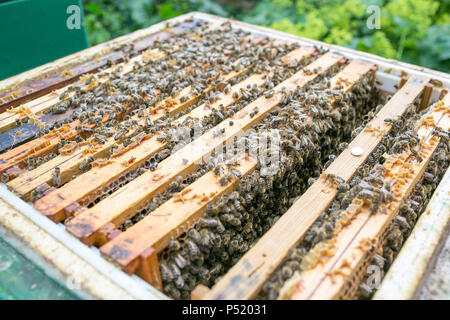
(215,160)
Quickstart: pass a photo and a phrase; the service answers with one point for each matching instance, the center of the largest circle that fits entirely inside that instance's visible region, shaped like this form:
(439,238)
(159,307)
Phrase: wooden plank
(199,291)
(355,241)
(256,266)
(33,148)
(16,155)
(37,88)
(421,249)
(354,70)
(173,217)
(257,79)
(370,137)
(123,203)
(36,177)
(28,131)
(96,178)
(38,106)
(426,97)
(41,174)
(148,268)
(10,120)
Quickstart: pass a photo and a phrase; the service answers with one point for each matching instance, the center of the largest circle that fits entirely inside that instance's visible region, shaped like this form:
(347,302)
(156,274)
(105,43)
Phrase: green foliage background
(415,31)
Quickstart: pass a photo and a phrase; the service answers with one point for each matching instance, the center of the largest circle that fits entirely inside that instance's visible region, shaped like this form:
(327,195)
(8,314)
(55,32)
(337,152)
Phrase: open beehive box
(206,158)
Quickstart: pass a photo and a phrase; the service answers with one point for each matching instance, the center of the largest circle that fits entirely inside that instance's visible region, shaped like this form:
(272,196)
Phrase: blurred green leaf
(91,7)
(141,11)
(434,49)
(167,11)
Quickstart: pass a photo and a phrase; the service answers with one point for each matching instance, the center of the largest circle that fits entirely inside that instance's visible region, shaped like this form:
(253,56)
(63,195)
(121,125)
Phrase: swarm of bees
(315,123)
(104,109)
(411,209)
(232,224)
(368,185)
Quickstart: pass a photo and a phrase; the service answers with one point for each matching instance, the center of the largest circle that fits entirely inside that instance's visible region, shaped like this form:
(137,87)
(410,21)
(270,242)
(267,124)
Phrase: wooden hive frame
(135,250)
(262,259)
(366,234)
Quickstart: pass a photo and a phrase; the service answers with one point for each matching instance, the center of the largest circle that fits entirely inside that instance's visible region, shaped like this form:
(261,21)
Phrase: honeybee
(56,177)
